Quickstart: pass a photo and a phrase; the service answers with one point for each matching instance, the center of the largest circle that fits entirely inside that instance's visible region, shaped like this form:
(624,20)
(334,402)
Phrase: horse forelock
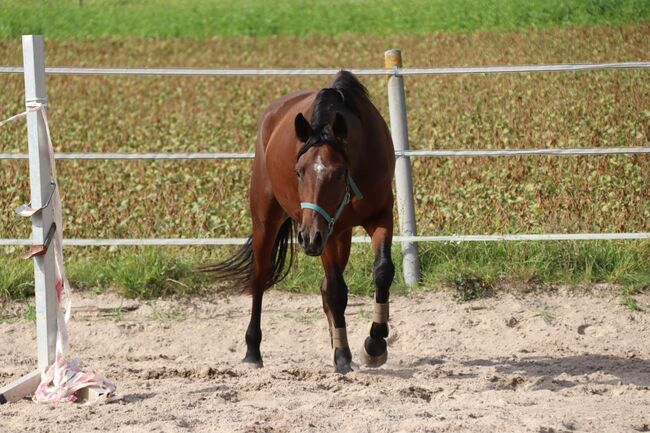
(317,140)
(325,105)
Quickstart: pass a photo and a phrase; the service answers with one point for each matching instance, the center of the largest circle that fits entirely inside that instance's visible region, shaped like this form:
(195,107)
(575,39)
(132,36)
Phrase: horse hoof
(343,368)
(374,360)
(342,360)
(252,364)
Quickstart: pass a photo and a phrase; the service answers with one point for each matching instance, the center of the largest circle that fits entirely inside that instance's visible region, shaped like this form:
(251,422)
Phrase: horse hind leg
(261,271)
(253,357)
(375,351)
(270,245)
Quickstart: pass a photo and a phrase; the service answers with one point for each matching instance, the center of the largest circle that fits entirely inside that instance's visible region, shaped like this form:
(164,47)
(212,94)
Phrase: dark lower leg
(254,331)
(384,271)
(335,301)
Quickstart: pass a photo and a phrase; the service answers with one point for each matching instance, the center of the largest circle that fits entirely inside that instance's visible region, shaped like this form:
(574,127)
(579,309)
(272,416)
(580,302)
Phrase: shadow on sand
(626,370)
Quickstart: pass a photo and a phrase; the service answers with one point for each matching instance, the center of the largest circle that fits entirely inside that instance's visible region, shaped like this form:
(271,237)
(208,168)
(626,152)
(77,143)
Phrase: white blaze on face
(319,168)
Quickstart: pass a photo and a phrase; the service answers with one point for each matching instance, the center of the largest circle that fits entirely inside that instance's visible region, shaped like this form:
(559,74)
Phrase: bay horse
(325,176)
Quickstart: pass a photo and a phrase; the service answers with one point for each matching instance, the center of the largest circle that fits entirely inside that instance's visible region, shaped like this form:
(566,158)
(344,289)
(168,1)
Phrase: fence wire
(355,239)
(274,72)
(442,153)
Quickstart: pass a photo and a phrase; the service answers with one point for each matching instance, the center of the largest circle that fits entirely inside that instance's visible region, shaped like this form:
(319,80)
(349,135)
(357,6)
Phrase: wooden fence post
(403,180)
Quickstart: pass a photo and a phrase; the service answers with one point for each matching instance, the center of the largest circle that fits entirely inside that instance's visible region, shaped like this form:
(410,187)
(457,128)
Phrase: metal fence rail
(290,72)
(355,239)
(442,153)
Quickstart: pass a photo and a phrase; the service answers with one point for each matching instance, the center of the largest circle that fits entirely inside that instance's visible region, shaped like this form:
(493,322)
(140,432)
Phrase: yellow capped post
(403,180)
(393,59)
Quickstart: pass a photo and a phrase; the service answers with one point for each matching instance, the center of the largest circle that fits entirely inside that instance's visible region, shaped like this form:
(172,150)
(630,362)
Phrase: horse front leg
(374,350)
(334,292)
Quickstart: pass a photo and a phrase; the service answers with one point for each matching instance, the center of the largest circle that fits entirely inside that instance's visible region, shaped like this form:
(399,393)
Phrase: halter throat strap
(350,186)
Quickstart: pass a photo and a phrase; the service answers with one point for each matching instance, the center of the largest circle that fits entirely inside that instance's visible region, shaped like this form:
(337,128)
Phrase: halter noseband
(349,185)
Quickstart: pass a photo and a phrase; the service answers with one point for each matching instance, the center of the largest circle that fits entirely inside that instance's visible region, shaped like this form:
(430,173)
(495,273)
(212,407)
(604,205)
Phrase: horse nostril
(300,239)
(318,240)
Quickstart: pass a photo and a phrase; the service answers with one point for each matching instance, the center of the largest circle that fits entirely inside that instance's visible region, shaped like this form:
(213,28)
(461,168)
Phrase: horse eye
(298,173)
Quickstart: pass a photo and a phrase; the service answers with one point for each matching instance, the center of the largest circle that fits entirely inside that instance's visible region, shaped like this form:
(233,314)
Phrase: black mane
(340,94)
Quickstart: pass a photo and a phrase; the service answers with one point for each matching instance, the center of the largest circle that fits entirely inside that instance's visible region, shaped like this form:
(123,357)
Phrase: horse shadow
(545,372)
(402,372)
(614,369)
(136,397)
(399,373)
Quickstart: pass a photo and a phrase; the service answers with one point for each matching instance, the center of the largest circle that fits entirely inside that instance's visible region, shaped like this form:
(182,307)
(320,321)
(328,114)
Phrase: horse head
(323,180)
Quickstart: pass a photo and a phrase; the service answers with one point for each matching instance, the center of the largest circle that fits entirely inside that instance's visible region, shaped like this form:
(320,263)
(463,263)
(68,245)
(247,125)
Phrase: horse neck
(356,151)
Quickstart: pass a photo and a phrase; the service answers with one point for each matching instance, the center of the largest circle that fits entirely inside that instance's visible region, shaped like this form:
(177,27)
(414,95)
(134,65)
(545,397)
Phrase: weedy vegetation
(629,301)
(547,315)
(464,195)
(468,286)
(116,314)
(165,315)
(30,313)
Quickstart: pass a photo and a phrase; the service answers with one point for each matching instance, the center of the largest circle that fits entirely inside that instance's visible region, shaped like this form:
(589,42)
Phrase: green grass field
(204,19)
(519,266)
(468,195)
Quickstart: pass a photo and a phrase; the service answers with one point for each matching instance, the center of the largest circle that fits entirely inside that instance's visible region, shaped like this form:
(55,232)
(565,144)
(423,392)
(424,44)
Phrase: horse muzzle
(312,240)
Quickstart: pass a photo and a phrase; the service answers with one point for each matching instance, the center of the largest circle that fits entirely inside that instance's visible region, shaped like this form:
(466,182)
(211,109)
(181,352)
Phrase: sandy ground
(540,363)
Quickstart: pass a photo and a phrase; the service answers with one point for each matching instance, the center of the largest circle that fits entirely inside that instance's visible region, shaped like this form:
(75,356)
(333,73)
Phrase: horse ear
(303,128)
(339,127)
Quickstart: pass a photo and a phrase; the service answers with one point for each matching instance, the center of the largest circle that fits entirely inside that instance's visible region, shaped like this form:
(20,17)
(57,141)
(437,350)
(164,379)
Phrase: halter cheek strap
(350,185)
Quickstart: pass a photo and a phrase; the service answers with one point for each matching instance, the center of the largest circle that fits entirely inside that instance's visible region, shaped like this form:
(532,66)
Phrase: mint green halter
(350,185)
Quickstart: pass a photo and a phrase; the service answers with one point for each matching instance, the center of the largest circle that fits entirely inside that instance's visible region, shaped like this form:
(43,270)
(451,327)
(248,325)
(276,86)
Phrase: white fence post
(39,174)
(403,180)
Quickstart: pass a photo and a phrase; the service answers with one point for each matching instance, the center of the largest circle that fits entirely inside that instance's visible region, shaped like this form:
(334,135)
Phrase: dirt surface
(541,363)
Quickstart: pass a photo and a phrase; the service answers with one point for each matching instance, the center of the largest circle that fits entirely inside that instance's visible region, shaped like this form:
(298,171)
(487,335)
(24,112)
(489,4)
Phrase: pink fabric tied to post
(63,381)
(59,289)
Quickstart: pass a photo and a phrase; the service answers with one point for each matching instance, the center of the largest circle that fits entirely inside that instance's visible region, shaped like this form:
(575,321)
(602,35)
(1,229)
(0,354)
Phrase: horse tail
(240,267)
(237,269)
(282,248)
